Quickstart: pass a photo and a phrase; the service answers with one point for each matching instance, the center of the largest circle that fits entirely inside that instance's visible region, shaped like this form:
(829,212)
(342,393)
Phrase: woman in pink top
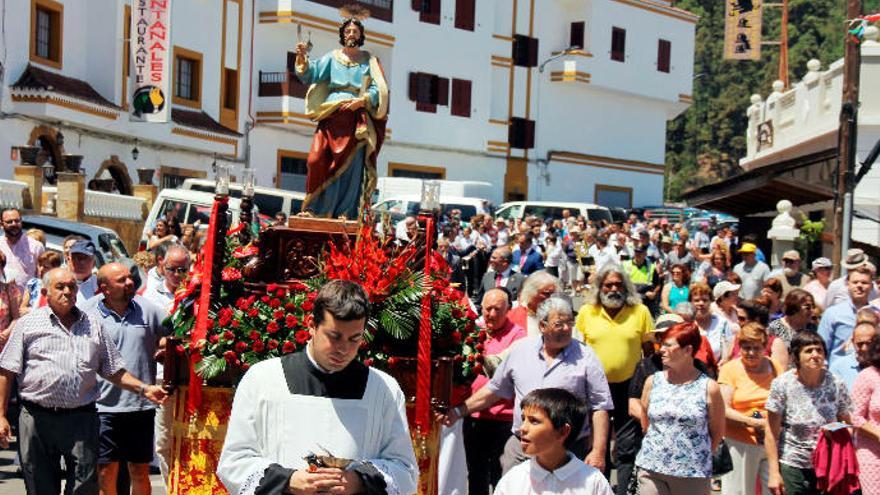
(10,300)
(866,418)
(487,431)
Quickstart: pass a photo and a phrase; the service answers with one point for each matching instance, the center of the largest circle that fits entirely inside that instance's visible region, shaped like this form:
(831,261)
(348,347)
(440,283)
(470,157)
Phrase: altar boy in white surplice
(317,401)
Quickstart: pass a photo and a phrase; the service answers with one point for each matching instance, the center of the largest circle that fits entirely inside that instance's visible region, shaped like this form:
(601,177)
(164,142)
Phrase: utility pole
(846,145)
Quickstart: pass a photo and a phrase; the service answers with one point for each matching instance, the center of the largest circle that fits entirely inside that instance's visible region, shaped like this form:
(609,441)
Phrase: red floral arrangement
(245,328)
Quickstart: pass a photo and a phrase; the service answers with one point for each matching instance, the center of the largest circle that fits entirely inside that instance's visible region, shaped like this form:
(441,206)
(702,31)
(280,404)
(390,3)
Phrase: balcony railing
(107,205)
(11,194)
(281,84)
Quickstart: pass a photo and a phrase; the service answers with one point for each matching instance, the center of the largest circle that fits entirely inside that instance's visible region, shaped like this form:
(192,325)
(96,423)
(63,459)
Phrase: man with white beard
(615,323)
(790,275)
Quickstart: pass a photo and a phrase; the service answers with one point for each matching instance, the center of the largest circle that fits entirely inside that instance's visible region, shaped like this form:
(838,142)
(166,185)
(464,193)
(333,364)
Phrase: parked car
(189,207)
(401,206)
(108,246)
(518,210)
(267,199)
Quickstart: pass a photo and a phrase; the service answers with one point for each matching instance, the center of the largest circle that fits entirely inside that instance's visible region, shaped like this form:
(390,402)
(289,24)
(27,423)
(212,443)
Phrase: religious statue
(348,98)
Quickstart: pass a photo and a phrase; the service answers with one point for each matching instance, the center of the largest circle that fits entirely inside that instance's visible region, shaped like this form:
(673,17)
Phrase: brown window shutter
(461,98)
(465,12)
(442,91)
(664,54)
(414,86)
(533,52)
(521,133)
(417,5)
(618,44)
(525,51)
(577,34)
(430,11)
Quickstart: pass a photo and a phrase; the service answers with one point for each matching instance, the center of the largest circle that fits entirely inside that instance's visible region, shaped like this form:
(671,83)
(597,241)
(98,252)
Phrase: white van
(389,187)
(268,200)
(189,207)
(518,210)
(403,205)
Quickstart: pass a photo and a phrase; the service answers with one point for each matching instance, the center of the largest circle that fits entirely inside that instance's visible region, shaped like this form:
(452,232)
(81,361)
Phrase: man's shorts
(126,437)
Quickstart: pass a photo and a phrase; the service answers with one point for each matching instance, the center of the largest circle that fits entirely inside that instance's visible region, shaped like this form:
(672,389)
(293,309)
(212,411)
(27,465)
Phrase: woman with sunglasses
(745,385)
(797,316)
(685,417)
(677,291)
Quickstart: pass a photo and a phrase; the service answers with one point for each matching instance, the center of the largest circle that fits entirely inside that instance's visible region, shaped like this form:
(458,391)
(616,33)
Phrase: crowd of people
(686,348)
(677,362)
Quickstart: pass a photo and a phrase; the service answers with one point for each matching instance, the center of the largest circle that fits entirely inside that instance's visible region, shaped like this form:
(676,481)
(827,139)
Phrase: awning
(759,190)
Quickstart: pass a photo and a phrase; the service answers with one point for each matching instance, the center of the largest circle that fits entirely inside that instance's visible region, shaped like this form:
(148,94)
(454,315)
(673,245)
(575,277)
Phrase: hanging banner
(742,29)
(151,59)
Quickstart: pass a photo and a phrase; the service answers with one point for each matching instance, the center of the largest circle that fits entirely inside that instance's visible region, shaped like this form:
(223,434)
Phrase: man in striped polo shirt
(57,353)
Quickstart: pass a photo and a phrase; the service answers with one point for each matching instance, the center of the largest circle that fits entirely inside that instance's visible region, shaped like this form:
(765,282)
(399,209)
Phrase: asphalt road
(11,482)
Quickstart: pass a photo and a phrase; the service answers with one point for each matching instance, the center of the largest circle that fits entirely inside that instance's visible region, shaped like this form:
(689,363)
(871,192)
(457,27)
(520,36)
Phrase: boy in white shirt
(551,419)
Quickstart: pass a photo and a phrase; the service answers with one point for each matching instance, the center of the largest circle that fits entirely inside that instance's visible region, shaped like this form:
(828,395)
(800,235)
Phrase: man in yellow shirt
(616,324)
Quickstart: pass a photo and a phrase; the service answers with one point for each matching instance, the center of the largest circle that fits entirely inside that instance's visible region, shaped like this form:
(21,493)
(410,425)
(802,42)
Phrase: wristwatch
(142,389)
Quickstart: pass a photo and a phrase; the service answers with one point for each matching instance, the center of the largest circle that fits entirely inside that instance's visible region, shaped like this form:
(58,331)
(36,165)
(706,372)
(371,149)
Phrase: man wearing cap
(680,256)
(838,290)
(752,272)
(818,286)
(838,321)
(81,262)
(790,276)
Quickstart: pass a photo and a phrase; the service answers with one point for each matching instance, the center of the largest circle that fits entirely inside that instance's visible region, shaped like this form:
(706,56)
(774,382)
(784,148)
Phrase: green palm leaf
(210,366)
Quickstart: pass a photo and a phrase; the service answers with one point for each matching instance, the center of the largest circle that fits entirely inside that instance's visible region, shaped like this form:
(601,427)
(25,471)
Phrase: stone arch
(119,172)
(51,142)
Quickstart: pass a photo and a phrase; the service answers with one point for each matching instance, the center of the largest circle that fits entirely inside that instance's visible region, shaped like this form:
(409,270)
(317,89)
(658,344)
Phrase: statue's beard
(351,43)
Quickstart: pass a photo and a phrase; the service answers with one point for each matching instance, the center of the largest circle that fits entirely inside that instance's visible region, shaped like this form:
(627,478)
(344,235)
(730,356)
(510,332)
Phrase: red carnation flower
(457,313)
(470,358)
(271,287)
(272,344)
(478,368)
(214,339)
(479,347)
(290,306)
(308,305)
(483,335)
(457,358)
(254,335)
(272,327)
(235,324)
(275,303)
(288,347)
(456,337)
(265,299)
(469,340)
(302,337)
(229,356)
(281,292)
(290,321)
(278,314)
(392,361)
(253,312)
(245,366)
(228,335)
(230,274)
(240,347)
(312,296)
(297,286)
(258,346)
(368,362)
(242,303)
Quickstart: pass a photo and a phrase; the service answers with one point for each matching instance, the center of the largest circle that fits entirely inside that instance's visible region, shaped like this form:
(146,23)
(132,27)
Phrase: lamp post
(219,226)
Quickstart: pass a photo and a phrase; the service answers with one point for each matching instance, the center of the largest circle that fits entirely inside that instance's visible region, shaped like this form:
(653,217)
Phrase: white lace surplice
(269,425)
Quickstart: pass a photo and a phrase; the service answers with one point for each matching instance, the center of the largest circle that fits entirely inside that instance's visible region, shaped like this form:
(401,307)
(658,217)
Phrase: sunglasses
(177,269)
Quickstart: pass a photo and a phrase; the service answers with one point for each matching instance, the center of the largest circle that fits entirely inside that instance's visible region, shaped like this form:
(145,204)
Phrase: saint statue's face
(351,35)
(335,343)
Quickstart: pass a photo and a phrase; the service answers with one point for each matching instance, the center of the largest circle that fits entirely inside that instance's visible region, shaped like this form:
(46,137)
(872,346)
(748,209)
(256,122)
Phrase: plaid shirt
(58,366)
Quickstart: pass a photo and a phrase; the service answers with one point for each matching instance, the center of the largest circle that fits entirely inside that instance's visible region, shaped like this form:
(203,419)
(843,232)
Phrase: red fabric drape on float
(423,363)
(200,330)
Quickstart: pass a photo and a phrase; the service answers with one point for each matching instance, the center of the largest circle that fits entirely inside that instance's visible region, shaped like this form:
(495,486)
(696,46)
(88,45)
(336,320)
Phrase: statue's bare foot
(305,214)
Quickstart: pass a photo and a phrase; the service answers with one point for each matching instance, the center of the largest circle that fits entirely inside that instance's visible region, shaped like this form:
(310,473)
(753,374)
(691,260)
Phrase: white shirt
(503,237)
(573,478)
(602,256)
(87,289)
(153,278)
(161,296)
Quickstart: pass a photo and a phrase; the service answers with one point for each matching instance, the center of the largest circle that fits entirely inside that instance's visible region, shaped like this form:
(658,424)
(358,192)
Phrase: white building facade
(473,95)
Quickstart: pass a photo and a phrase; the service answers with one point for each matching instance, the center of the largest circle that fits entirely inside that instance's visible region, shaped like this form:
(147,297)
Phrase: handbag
(721,461)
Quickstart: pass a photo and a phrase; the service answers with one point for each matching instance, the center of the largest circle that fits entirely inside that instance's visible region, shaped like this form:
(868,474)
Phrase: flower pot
(72,163)
(145,176)
(103,185)
(28,154)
